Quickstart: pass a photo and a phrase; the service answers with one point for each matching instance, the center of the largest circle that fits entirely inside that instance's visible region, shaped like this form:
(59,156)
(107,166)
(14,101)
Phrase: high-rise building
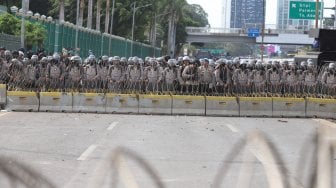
(246,13)
(226,13)
(283,21)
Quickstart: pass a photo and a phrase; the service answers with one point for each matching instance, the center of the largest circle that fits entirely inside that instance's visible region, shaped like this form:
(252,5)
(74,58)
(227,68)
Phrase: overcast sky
(213,8)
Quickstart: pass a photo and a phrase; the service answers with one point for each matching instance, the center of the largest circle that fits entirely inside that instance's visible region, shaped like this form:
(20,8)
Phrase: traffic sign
(304,10)
(253,32)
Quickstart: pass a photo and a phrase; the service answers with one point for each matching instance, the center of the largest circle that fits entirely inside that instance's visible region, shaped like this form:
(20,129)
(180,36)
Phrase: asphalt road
(71,149)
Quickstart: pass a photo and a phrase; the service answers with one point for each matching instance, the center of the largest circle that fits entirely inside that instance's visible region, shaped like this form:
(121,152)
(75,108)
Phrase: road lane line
(87,153)
(325,122)
(232,128)
(113,124)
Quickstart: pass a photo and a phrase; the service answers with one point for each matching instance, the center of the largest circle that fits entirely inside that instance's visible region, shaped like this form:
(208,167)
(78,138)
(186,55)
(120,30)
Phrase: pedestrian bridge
(239,35)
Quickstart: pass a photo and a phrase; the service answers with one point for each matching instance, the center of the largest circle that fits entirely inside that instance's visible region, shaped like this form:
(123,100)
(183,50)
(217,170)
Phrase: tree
(81,13)
(35,33)
(61,12)
(98,15)
(174,9)
(107,15)
(89,18)
(172,16)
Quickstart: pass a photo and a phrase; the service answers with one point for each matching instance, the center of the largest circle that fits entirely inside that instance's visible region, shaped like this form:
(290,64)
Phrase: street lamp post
(77,22)
(25,7)
(335,15)
(133,23)
(111,27)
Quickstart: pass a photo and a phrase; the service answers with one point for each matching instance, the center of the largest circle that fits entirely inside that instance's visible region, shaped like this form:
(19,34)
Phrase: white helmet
(332,66)
(311,64)
(171,62)
(303,63)
(186,58)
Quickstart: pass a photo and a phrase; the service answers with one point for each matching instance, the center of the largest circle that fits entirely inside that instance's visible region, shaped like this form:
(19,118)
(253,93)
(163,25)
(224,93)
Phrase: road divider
(188,105)
(55,102)
(3,94)
(122,103)
(89,102)
(22,101)
(155,104)
(289,107)
(255,106)
(222,106)
(167,104)
(321,108)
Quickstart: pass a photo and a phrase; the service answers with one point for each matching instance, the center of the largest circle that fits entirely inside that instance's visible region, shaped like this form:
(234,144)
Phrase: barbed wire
(314,169)
(20,174)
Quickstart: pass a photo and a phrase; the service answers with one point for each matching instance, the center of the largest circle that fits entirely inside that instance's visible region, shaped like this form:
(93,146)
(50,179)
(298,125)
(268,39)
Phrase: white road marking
(112,126)
(87,153)
(326,122)
(232,128)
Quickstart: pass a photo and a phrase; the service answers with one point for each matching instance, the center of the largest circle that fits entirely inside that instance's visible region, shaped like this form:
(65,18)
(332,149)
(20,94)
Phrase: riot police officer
(329,80)
(206,77)
(170,76)
(75,72)
(90,74)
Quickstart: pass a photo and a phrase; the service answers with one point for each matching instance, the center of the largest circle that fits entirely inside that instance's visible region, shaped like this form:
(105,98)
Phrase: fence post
(125,47)
(56,37)
(141,50)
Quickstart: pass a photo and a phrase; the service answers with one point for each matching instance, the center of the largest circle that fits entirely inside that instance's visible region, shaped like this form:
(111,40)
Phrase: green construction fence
(63,35)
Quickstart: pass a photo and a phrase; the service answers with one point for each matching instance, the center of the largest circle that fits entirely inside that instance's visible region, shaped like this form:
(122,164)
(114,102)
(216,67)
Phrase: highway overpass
(235,35)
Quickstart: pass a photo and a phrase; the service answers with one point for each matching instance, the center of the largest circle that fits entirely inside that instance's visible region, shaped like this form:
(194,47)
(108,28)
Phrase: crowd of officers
(242,77)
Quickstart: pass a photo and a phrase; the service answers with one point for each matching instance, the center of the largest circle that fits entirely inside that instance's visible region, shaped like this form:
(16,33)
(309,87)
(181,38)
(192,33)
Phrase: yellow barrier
(222,106)
(289,107)
(89,102)
(188,105)
(22,101)
(155,104)
(255,106)
(322,108)
(122,103)
(55,102)
(3,95)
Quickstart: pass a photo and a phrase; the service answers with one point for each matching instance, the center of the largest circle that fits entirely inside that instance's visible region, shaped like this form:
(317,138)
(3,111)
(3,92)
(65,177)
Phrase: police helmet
(116,58)
(123,60)
(135,59)
(171,62)
(186,58)
(76,59)
(105,58)
(56,57)
(44,60)
(311,64)
(304,63)
(34,58)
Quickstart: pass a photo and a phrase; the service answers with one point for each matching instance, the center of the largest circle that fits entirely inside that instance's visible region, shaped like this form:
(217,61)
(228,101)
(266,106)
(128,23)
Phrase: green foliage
(186,15)
(9,24)
(35,33)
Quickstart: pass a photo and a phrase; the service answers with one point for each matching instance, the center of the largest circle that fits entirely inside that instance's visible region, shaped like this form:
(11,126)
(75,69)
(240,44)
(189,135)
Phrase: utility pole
(316,14)
(112,16)
(133,28)
(77,23)
(25,7)
(335,15)
(133,23)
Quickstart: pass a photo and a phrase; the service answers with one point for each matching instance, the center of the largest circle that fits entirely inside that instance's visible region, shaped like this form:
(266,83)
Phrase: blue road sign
(253,32)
